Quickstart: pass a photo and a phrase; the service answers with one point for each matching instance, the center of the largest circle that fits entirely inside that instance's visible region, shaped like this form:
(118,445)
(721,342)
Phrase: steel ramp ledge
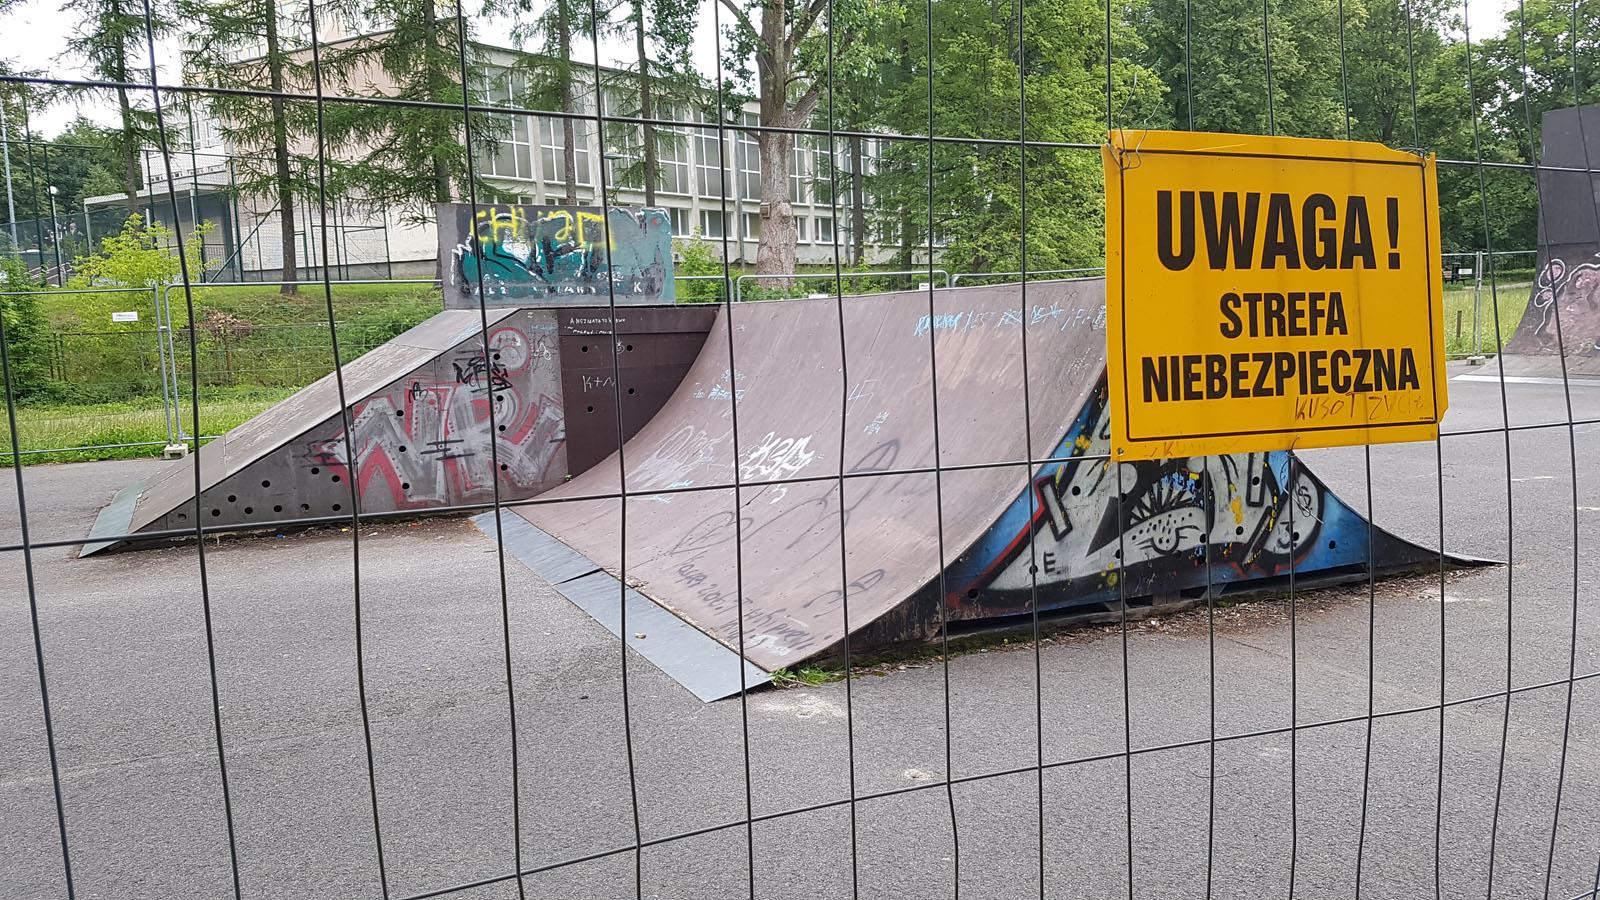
(684,653)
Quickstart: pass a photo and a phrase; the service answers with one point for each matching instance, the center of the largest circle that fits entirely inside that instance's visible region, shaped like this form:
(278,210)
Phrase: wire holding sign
(1269,293)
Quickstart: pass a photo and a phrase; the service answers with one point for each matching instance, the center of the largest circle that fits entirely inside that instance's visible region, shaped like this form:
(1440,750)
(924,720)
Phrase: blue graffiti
(1069,541)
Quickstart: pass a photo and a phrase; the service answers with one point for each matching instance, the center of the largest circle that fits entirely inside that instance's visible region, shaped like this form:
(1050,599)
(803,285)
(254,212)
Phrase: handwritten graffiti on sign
(1268,293)
(554,255)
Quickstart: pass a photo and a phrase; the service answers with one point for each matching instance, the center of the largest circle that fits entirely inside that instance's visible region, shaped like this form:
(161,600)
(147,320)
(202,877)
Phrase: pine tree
(240,44)
(662,84)
(112,40)
(394,157)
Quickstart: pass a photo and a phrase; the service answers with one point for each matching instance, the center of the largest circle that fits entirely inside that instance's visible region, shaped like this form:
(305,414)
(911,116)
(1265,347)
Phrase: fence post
(167,414)
(172,354)
(1477,303)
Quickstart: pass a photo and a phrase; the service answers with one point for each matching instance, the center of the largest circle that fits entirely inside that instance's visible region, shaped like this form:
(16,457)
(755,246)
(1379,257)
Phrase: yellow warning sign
(1269,293)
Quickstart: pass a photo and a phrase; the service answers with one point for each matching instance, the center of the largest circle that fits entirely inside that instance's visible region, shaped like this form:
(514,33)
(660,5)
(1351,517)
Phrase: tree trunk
(775,254)
(646,107)
(130,153)
(858,204)
(569,152)
(290,271)
(436,82)
(130,142)
(907,240)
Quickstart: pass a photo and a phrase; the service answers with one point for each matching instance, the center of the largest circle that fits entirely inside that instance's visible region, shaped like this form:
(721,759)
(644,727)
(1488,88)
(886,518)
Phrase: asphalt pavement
(125,648)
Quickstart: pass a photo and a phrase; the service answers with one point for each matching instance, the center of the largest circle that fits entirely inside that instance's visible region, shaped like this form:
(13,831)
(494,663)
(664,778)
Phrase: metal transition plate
(684,653)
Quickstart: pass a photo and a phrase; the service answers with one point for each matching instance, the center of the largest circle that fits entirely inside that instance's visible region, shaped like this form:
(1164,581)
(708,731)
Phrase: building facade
(709,181)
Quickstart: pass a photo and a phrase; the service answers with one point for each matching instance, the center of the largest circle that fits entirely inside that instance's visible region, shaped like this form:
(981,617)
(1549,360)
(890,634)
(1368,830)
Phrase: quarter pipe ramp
(876,469)
(1562,318)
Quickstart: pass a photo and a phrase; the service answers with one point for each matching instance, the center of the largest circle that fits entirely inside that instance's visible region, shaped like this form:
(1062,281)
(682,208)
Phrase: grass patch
(250,336)
(806,676)
(133,421)
(1512,297)
(257,304)
(254,346)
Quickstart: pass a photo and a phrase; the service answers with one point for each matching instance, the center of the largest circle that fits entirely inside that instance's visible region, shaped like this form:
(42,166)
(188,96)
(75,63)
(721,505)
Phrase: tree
(548,75)
(792,52)
(663,81)
(111,32)
(225,35)
(140,255)
(982,55)
(1385,47)
(26,343)
(82,161)
(1225,48)
(1558,74)
(405,158)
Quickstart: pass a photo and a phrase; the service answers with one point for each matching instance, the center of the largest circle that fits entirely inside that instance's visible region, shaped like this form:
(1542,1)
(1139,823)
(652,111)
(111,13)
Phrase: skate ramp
(766,570)
(420,409)
(1567,278)
(419,404)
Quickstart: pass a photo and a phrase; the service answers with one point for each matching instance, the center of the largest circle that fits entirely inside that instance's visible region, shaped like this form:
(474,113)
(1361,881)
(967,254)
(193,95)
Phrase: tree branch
(807,104)
(803,26)
(742,16)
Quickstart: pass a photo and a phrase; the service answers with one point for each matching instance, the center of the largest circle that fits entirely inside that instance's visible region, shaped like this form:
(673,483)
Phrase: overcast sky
(34,35)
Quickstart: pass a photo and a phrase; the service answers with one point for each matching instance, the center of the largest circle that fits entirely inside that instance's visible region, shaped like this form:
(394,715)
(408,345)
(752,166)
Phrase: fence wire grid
(1062,791)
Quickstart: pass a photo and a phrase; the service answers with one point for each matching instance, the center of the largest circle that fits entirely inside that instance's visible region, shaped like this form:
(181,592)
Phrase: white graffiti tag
(775,458)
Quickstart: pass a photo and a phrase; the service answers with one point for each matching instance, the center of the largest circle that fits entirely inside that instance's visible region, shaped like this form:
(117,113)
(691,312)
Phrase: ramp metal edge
(115,518)
(704,666)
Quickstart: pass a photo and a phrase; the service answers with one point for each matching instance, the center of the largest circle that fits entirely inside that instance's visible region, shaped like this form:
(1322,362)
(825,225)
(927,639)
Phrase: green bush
(696,256)
(26,346)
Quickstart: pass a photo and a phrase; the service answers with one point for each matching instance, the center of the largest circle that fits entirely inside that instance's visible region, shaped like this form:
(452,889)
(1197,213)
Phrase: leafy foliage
(696,256)
(24,328)
(111,38)
(239,44)
(139,255)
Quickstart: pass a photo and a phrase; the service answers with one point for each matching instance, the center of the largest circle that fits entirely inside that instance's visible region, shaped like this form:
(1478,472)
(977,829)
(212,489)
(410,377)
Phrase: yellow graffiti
(564,232)
(503,222)
(587,222)
(1238,510)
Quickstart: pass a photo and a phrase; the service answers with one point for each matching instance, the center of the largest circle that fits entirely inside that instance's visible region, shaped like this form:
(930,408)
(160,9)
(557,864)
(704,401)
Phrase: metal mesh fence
(386,708)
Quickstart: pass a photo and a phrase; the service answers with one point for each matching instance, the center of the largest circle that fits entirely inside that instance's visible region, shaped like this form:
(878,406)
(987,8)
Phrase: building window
(809,165)
(802,230)
(748,155)
(682,223)
(672,156)
(624,169)
(823,172)
(824,229)
(707,161)
(752,226)
(552,153)
(710,223)
(510,155)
